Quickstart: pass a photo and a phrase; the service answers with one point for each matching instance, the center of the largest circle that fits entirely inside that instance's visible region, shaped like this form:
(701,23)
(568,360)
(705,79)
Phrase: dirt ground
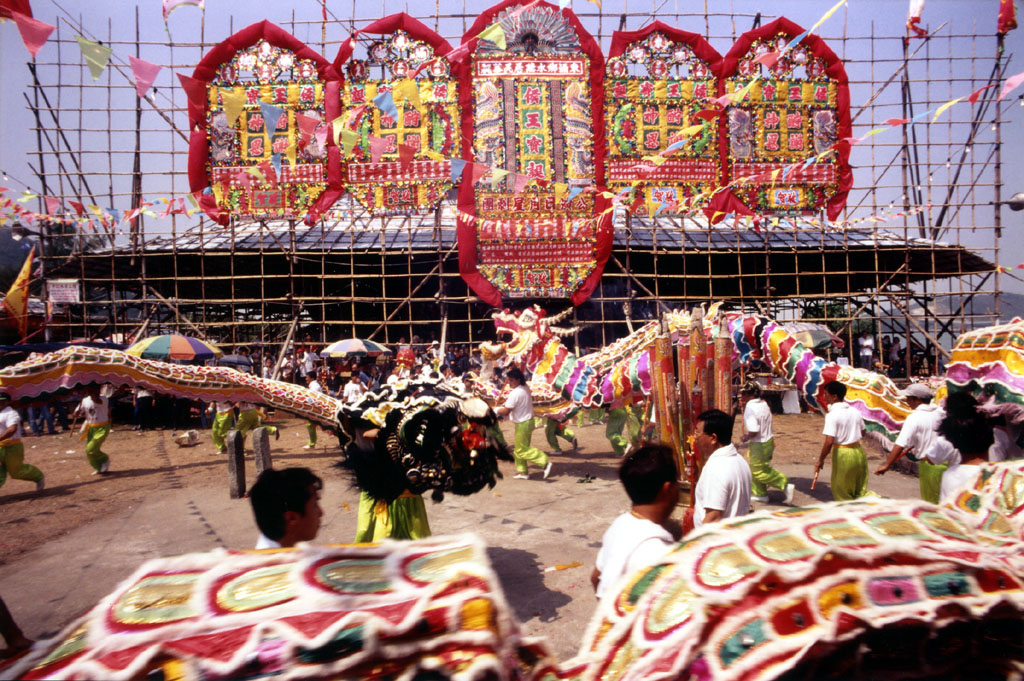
(64,549)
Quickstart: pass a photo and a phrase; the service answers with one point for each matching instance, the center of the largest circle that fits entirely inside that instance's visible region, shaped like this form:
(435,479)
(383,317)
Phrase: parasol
(173,346)
(355,347)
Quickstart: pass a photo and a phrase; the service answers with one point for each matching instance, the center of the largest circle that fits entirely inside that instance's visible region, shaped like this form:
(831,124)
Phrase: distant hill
(1010,305)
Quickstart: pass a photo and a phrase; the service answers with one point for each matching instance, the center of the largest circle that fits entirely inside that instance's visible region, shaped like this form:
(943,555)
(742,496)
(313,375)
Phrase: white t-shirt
(224,407)
(10,417)
(95,411)
(957,478)
(919,430)
(264,543)
(867,346)
(943,451)
(844,423)
(245,406)
(724,485)
(316,387)
(629,544)
(352,392)
(757,418)
(1005,443)
(520,404)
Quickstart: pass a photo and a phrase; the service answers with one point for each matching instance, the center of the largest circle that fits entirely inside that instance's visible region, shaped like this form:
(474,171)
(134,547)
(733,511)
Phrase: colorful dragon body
(620,373)
(868,589)
(424,444)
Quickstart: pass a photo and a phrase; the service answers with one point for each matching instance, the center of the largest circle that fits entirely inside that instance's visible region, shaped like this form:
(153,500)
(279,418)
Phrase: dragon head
(519,332)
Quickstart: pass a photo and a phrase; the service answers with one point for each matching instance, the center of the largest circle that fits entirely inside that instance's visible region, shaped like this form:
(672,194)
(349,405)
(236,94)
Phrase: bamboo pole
(723,366)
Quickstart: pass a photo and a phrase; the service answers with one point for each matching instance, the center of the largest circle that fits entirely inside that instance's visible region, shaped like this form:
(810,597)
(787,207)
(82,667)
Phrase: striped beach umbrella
(355,347)
(173,346)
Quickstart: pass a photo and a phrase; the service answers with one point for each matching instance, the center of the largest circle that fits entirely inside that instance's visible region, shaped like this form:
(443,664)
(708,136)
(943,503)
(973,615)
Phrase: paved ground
(63,550)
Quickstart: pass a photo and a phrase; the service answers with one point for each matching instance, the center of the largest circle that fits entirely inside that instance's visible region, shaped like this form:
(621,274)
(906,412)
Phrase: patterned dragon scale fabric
(843,590)
(388,609)
(989,363)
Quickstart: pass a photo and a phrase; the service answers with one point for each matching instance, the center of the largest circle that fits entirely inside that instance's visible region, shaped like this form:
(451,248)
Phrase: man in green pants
(249,419)
(554,430)
(757,430)
(919,433)
(519,409)
(12,451)
(223,422)
(625,417)
(94,407)
(843,429)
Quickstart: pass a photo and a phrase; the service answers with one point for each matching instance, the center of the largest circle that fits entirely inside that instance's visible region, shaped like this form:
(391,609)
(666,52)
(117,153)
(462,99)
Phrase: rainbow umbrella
(355,347)
(173,346)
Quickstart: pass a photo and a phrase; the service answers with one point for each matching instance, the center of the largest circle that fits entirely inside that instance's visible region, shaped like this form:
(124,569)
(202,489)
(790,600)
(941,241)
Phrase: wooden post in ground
(236,464)
(261,449)
(723,366)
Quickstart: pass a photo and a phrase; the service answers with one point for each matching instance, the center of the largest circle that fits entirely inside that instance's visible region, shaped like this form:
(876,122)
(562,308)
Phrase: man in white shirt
(286,505)
(519,409)
(867,350)
(919,434)
(313,384)
(638,538)
(843,429)
(97,424)
(723,489)
(353,389)
(757,430)
(12,451)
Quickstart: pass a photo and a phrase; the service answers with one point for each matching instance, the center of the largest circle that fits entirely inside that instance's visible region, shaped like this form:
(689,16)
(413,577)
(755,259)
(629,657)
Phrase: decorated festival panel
(656,79)
(400,162)
(530,224)
(260,145)
(780,135)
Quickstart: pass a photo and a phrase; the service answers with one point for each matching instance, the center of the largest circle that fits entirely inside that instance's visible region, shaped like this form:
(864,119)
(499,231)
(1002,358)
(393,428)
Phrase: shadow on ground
(522,574)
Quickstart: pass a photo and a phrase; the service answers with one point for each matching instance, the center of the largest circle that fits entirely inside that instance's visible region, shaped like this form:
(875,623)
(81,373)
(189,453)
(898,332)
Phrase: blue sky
(221,18)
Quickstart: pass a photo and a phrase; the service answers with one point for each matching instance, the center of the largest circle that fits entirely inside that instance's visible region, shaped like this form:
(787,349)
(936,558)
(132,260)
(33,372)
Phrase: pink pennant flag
(52,205)
(243,179)
(769,59)
(321,136)
(1011,84)
(307,126)
(896,121)
(973,97)
(522,8)
(145,74)
(269,173)
(378,146)
(476,172)
(195,91)
(34,33)
(520,182)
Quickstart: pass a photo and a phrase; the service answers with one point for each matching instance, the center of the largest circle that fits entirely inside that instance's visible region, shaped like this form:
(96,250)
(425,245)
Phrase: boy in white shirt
(757,430)
(97,424)
(12,451)
(519,409)
(638,538)
(843,428)
(286,504)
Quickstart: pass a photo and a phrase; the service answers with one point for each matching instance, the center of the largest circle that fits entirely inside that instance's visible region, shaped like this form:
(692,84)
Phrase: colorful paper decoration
(656,80)
(794,112)
(530,110)
(410,171)
(274,72)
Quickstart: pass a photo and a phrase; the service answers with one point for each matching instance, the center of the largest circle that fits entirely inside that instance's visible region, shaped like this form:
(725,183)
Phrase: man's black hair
(717,423)
(836,389)
(964,426)
(644,471)
(516,373)
(278,491)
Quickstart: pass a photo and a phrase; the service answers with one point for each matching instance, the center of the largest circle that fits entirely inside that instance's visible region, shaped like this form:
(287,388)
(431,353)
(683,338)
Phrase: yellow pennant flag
(218,193)
(348,141)
(337,128)
(233,100)
(741,94)
(16,300)
(97,56)
(941,109)
(290,153)
(652,208)
(495,33)
(95,210)
(406,89)
(656,159)
(826,16)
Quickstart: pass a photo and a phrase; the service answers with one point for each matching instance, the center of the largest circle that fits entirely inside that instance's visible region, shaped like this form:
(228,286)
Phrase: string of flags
(97,57)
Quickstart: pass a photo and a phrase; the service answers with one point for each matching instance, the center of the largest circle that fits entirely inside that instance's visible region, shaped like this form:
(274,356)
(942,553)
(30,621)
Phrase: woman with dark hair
(968,435)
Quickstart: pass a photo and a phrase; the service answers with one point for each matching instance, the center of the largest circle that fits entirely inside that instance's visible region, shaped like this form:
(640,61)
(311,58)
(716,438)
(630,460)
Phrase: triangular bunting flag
(377,148)
(34,33)
(275,160)
(348,141)
(195,91)
(520,184)
(307,126)
(79,208)
(52,205)
(386,103)
(96,55)
(574,191)
(405,156)
(271,118)
(406,90)
(1010,85)
(495,33)
(233,101)
(457,166)
(476,172)
(145,74)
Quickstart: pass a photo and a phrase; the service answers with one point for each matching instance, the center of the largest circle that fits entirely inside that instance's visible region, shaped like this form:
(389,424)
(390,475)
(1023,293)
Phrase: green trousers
(762,475)
(929,476)
(223,421)
(94,441)
(311,429)
(250,420)
(12,461)
(403,518)
(554,430)
(524,452)
(618,419)
(495,432)
(849,473)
